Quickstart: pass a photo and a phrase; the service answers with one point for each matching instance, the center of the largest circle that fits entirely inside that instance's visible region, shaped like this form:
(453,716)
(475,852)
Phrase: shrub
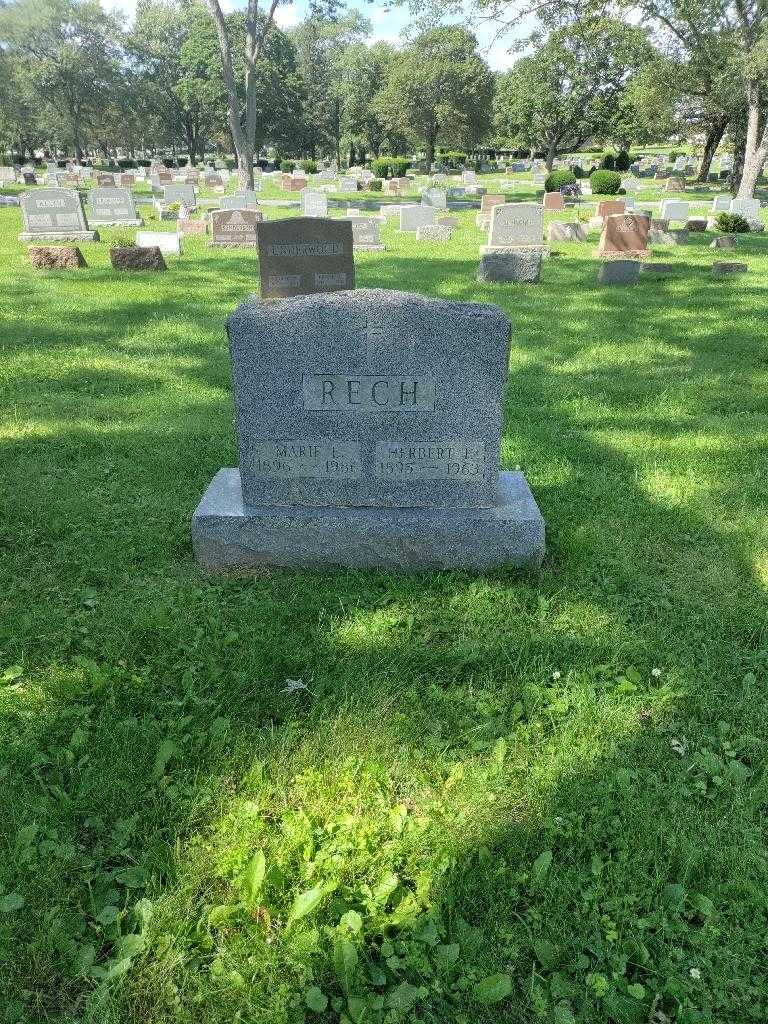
(375,185)
(578,171)
(400,165)
(390,166)
(732,224)
(287,166)
(308,166)
(623,160)
(605,183)
(230,162)
(608,163)
(126,164)
(556,179)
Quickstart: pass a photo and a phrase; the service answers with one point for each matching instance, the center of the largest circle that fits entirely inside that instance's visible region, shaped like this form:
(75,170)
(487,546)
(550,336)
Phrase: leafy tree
(440,90)
(364,73)
(570,90)
(20,124)
(74,54)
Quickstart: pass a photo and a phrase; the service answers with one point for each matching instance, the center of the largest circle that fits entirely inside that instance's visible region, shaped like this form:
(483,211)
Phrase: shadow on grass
(412,681)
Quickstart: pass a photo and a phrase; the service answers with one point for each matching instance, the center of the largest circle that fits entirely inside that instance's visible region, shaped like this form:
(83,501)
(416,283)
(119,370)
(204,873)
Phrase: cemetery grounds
(371,796)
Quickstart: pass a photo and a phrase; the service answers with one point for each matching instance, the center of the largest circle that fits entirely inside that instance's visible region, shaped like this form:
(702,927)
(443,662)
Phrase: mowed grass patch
(359,796)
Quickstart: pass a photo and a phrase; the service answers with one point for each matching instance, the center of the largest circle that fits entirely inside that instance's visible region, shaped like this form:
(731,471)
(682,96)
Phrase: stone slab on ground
(137,257)
(517,267)
(720,269)
(619,272)
(59,236)
(56,257)
(659,269)
(724,242)
(228,536)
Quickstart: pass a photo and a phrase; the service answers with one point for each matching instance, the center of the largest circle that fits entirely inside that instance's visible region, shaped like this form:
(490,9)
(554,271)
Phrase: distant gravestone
(7,175)
(302,255)
(105,180)
(368,427)
(167,243)
(623,234)
(127,180)
(54,214)
(348,184)
(515,225)
(721,204)
(510,266)
(182,193)
(435,197)
(29,178)
(748,208)
(313,203)
(434,233)
(244,200)
(112,206)
(619,272)
(675,185)
(554,201)
(607,207)
(675,209)
(559,231)
(412,217)
(365,234)
(235,228)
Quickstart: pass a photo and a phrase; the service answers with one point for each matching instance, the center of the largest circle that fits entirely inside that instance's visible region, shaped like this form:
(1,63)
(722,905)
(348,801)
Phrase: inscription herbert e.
(368,393)
(393,460)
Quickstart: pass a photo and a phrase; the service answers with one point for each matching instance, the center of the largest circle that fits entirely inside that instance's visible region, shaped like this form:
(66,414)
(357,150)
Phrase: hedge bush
(732,224)
(308,166)
(390,166)
(287,166)
(556,179)
(605,183)
(623,160)
(375,185)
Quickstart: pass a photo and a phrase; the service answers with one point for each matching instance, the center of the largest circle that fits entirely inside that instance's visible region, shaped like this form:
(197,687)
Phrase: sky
(388,25)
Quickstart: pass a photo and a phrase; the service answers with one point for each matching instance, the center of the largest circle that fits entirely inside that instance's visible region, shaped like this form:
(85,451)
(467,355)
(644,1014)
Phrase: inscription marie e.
(341,392)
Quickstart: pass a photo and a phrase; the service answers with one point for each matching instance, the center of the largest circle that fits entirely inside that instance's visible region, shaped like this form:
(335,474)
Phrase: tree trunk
(551,154)
(714,137)
(430,148)
(756,148)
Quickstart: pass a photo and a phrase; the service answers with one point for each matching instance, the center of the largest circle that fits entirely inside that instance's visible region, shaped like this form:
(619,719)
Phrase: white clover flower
(555,674)
(655,672)
(695,973)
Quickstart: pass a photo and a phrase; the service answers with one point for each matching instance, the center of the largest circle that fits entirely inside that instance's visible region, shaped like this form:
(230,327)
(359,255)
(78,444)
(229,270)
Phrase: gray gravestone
(245,200)
(368,428)
(235,228)
(412,217)
(365,233)
(112,206)
(54,215)
(515,225)
(183,194)
(619,272)
(522,266)
(560,231)
(434,197)
(434,233)
(313,203)
(302,255)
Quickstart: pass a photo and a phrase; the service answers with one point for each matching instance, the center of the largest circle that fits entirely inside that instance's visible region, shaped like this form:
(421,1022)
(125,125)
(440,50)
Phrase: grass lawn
(378,797)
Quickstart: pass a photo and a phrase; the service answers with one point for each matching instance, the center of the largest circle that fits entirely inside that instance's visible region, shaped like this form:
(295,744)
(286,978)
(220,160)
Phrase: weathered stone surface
(720,269)
(305,255)
(434,233)
(229,536)
(675,185)
(724,242)
(54,214)
(624,234)
(658,237)
(369,398)
(168,244)
(112,206)
(608,207)
(619,272)
(447,221)
(413,217)
(675,209)
(560,231)
(521,266)
(554,201)
(137,258)
(247,199)
(657,269)
(235,228)
(47,257)
(515,224)
(696,224)
(365,234)
(191,227)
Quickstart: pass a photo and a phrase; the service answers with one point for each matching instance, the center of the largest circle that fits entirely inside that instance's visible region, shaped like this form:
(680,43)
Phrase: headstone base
(362,247)
(229,537)
(59,236)
(513,267)
(137,223)
(505,250)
